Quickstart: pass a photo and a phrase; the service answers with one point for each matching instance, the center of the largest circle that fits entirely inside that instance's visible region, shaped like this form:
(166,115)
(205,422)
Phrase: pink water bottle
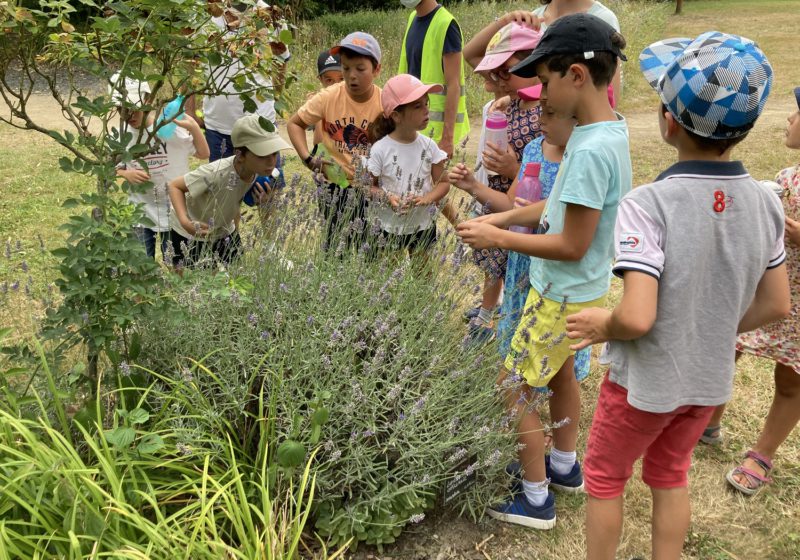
(529,188)
(496,132)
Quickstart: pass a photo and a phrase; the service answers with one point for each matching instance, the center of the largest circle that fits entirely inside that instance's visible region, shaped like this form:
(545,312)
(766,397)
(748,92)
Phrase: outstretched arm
(632,318)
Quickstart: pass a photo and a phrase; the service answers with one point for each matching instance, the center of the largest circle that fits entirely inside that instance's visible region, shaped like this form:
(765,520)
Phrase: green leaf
(286,36)
(320,416)
(291,454)
(138,416)
(121,436)
(150,444)
(266,124)
(135,346)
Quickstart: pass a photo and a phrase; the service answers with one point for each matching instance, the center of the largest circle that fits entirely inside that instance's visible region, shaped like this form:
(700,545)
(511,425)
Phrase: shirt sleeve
(437,154)
(638,238)
(586,178)
(452,40)
(375,160)
(314,109)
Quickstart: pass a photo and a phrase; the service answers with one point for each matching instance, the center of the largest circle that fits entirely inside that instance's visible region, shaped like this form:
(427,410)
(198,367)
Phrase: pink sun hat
(502,46)
(402,89)
(534,93)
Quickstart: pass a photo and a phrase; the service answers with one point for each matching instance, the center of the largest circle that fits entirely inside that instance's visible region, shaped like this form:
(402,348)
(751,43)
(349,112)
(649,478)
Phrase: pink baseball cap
(502,46)
(402,89)
(534,93)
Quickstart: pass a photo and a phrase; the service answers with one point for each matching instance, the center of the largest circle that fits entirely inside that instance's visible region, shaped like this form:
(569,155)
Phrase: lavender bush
(361,358)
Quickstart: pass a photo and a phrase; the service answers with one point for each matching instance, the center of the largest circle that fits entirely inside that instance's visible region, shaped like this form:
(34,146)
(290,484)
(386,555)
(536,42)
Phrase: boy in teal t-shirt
(571,259)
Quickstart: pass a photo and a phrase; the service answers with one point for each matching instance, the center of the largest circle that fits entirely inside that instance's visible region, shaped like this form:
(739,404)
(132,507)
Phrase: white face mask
(410,3)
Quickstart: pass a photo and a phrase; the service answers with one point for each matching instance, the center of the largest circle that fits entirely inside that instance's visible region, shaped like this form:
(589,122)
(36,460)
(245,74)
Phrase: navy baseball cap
(572,34)
(362,43)
(715,85)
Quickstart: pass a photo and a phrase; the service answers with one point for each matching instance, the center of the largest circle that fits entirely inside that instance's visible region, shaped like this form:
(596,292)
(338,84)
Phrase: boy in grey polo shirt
(701,255)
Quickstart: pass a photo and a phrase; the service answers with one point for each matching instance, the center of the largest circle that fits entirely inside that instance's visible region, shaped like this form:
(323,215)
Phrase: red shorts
(620,434)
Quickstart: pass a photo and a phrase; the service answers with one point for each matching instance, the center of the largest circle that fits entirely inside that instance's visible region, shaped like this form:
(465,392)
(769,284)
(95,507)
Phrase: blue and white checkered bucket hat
(715,85)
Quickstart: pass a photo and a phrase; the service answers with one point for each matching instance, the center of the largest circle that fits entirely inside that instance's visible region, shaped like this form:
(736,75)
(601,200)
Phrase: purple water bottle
(529,188)
(496,132)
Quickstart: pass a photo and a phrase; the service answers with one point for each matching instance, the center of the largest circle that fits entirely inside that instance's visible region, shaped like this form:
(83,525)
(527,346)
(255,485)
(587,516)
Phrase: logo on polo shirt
(631,242)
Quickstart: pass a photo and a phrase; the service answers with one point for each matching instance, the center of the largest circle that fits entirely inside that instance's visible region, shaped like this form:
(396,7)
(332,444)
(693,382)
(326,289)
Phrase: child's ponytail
(379,128)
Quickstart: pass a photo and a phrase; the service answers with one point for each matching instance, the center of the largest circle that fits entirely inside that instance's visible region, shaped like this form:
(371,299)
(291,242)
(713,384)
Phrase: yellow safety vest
(433,73)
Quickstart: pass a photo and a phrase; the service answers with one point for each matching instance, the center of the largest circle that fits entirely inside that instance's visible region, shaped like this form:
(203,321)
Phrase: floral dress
(515,291)
(523,126)
(779,341)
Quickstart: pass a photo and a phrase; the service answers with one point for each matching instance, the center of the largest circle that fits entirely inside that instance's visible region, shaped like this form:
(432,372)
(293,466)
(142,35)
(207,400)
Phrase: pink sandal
(755,481)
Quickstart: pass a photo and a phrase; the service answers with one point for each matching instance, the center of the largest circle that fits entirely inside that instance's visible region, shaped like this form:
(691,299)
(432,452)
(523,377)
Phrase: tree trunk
(678,7)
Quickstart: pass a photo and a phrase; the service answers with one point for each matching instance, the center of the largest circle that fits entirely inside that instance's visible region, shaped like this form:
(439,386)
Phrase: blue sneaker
(571,483)
(520,511)
(514,471)
(472,313)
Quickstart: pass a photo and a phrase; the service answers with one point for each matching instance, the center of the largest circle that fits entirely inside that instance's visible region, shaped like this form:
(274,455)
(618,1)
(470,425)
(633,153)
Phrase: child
(776,341)
(705,222)
(329,72)
(575,61)
(546,150)
(499,51)
(345,111)
(169,159)
(206,202)
(405,166)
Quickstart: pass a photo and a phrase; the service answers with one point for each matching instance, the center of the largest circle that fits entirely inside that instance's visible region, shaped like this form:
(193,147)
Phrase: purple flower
(125,369)
(368,433)
(264,335)
(323,290)
(283,287)
(310,320)
(8,249)
(15,285)
(336,336)
(24,266)
(420,404)
(252,318)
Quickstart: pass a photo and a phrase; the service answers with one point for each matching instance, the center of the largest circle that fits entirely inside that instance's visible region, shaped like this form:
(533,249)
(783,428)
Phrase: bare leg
(671,515)
(491,291)
(716,418)
(530,431)
(783,416)
(565,403)
(603,527)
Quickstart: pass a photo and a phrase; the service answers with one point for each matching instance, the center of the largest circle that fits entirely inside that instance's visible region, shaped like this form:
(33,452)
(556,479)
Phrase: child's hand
(134,176)
(521,202)
(395,202)
(793,231)
(501,162)
(462,178)
(523,17)
(197,229)
(500,104)
(187,123)
(424,200)
(478,234)
(589,324)
(260,194)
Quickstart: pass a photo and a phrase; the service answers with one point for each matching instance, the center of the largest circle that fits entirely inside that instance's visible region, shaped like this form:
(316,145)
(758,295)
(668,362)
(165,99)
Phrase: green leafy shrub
(135,491)
(361,357)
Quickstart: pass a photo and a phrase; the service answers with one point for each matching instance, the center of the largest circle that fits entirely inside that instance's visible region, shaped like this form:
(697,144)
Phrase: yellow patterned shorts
(540,345)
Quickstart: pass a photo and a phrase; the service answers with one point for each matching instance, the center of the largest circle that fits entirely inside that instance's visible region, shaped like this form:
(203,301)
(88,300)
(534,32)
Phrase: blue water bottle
(170,110)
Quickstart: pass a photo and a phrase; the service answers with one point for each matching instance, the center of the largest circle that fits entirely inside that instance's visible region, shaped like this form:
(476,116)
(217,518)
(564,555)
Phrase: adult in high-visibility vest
(431,51)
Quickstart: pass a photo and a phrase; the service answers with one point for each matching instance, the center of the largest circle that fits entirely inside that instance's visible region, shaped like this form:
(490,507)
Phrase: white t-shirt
(221,111)
(597,9)
(170,160)
(404,170)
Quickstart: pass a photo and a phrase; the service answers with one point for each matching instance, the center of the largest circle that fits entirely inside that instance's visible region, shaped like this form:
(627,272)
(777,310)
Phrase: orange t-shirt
(344,122)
